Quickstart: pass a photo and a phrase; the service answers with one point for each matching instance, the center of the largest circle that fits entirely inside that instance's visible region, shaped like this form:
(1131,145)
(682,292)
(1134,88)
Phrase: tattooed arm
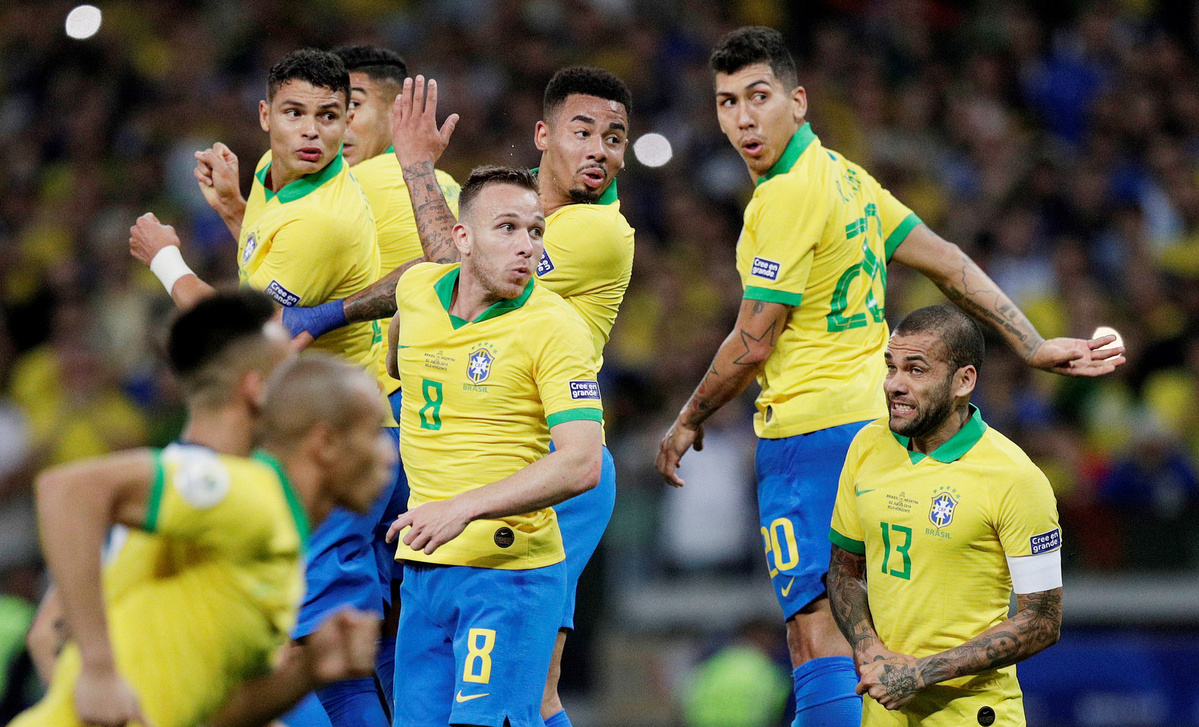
(1036,626)
(851,610)
(972,290)
(738,361)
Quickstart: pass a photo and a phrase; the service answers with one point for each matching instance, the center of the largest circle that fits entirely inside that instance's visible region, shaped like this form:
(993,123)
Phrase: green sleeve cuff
(857,547)
(899,234)
(574,415)
(767,295)
(155,504)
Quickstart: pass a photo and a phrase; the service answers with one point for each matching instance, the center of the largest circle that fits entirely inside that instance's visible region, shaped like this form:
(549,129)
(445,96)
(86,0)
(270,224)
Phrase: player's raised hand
(675,443)
(414,132)
(342,647)
(432,524)
(892,682)
(148,236)
(1077,356)
(105,699)
(217,173)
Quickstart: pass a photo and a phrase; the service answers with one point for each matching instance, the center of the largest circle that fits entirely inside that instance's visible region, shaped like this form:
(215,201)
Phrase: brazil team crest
(945,501)
(251,246)
(478,364)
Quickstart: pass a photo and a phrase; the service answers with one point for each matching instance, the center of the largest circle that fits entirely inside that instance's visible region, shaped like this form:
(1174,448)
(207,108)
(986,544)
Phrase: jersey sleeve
(1025,516)
(846,529)
(306,262)
(190,498)
(896,219)
(586,252)
(779,239)
(564,369)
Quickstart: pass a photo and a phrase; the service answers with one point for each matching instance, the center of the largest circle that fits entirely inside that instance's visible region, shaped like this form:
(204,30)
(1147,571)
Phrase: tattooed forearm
(378,300)
(1036,626)
(971,289)
(848,601)
(434,220)
(741,359)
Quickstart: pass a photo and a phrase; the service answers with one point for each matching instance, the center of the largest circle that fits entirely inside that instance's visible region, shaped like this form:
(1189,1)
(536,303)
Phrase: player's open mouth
(309,154)
(753,147)
(594,177)
(901,408)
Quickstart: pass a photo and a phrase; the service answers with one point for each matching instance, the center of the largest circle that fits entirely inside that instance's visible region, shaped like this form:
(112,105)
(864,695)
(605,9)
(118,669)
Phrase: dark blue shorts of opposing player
(344,563)
(474,644)
(797,486)
(583,520)
(398,504)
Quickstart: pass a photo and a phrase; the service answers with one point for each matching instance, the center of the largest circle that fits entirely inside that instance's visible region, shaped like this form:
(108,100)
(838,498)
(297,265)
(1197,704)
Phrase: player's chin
(582,194)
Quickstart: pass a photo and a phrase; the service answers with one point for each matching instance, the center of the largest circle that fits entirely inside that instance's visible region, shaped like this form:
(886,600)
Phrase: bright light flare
(653,150)
(83,22)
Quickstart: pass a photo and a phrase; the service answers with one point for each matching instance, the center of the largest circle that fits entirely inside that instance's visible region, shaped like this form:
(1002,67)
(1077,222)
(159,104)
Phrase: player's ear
(264,116)
(253,390)
(799,104)
(462,239)
(965,380)
(541,134)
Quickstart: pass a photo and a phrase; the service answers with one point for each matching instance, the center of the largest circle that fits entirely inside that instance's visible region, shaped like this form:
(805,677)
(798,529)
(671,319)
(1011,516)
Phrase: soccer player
(494,364)
(166,645)
(588,257)
(812,256)
(307,236)
(938,517)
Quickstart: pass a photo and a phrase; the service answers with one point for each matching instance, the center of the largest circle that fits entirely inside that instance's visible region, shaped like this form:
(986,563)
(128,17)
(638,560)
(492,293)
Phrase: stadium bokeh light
(83,22)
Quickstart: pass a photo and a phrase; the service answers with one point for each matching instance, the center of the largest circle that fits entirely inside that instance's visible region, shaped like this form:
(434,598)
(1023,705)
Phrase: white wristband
(1035,573)
(168,265)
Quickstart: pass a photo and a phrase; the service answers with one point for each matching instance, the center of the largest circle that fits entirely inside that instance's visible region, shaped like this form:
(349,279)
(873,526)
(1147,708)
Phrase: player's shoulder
(264,161)
(596,220)
(1007,456)
(871,437)
(445,179)
(550,308)
(204,478)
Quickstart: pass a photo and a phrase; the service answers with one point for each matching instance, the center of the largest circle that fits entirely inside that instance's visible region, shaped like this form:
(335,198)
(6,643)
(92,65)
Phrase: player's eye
(354,104)
(614,140)
(582,133)
(759,97)
(536,232)
(507,227)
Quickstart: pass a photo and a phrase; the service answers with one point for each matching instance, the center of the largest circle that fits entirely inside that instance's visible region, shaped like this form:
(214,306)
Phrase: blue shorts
(385,552)
(797,486)
(344,561)
(474,644)
(582,520)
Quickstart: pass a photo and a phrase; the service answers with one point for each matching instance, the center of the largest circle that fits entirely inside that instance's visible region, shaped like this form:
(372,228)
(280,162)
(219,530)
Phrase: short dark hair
(485,176)
(963,339)
(320,68)
(754,44)
(587,81)
(202,333)
(380,64)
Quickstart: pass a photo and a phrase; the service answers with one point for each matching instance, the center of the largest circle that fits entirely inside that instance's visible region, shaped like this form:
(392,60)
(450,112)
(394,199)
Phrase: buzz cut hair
(320,68)
(482,177)
(585,81)
(379,64)
(204,339)
(960,335)
(754,44)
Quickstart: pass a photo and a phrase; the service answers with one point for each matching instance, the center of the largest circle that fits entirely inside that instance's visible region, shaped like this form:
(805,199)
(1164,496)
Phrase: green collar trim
(954,447)
(303,527)
(799,143)
(390,150)
(445,293)
(608,197)
(304,185)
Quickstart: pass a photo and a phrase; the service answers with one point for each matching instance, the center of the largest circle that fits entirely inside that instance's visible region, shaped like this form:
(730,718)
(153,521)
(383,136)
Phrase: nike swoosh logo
(460,699)
(859,493)
(788,588)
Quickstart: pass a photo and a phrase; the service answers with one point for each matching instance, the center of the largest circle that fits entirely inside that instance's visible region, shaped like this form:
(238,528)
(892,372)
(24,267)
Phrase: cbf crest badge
(251,246)
(478,363)
(945,501)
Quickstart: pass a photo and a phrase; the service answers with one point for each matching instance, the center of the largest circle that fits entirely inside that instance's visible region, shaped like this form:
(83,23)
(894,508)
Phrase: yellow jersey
(313,242)
(936,531)
(817,236)
(588,260)
(383,183)
(481,398)
(218,598)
